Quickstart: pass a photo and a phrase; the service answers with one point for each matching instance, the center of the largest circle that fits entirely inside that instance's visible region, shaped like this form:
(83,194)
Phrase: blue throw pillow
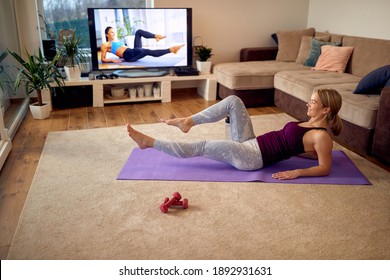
(374,81)
(275,38)
(315,51)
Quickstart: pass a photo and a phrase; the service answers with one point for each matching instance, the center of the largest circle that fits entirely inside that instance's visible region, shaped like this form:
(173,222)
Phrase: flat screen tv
(140,38)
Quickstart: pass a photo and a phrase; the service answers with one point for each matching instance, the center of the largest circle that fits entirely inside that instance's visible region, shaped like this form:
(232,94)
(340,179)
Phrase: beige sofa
(266,75)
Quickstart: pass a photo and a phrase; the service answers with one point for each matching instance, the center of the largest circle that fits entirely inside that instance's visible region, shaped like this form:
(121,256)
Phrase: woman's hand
(287,175)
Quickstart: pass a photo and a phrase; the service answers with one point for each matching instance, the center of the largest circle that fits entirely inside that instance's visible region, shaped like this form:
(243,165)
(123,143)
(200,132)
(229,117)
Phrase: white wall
(229,25)
(8,27)
(366,18)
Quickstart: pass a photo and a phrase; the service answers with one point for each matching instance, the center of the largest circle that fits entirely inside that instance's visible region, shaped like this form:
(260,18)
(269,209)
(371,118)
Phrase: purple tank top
(282,144)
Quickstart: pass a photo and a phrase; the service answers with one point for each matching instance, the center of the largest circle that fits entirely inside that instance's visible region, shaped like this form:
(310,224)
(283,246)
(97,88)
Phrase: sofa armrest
(256,54)
(380,145)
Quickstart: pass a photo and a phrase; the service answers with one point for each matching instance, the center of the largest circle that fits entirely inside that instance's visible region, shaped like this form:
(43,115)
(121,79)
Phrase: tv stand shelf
(206,86)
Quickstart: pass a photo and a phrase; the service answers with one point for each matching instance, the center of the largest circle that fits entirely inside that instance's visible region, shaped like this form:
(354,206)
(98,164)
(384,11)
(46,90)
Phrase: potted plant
(37,74)
(203,64)
(71,55)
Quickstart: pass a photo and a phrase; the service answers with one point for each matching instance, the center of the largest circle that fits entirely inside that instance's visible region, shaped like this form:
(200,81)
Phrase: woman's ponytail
(337,125)
(106,32)
(331,98)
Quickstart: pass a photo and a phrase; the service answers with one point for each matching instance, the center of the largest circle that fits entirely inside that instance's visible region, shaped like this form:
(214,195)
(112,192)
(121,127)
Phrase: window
(72,14)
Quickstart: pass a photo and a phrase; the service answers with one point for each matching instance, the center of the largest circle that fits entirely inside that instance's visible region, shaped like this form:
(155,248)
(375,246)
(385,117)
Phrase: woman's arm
(104,50)
(323,145)
(311,155)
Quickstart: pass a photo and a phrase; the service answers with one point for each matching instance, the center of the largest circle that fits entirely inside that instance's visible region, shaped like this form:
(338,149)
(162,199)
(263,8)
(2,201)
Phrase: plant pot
(72,72)
(133,92)
(148,88)
(40,112)
(204,67)
(156,92)
(140,92)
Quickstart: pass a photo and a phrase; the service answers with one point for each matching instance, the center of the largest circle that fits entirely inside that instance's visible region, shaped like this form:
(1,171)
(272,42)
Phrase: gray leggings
(242,151)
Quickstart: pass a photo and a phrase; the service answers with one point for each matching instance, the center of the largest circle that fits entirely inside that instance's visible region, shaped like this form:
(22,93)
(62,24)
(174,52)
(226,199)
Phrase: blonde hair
(331,98)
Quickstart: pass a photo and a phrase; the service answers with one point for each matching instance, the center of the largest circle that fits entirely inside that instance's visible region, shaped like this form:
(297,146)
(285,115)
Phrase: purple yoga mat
(150,164)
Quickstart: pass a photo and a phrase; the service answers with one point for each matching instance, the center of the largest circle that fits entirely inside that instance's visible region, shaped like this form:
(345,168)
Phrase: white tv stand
(206,87)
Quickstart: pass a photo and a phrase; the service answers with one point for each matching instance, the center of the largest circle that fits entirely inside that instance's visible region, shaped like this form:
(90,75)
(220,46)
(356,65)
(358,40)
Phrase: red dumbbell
(164,207)
(180,203)
(183,203)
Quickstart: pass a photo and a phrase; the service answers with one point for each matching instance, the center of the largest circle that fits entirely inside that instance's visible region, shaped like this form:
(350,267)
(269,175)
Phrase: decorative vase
(140,92)
(148,89)
(133,92)
(40,112)
(73,72)
(156,92)
(204,67)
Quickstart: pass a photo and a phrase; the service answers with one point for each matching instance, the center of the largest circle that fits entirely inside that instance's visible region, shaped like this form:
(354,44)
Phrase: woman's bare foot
(159,37)
(175,49)
(143,141)
(184,124)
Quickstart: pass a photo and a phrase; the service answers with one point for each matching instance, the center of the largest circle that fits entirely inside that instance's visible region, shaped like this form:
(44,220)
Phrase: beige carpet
(76,209)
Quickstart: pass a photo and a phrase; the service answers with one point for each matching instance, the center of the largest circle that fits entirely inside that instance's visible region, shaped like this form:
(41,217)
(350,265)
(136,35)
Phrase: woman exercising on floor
(132,54)
(245,151)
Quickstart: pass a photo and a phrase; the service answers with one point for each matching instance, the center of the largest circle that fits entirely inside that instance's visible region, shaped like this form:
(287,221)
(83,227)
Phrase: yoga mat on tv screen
(150,164)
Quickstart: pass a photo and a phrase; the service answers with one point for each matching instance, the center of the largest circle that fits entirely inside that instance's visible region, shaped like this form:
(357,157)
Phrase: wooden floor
(19,169)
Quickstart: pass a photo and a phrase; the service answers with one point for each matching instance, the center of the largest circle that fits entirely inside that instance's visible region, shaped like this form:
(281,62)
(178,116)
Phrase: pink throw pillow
(333,58)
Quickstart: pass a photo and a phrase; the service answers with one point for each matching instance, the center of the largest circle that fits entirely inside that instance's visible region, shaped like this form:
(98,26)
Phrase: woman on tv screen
(118,48)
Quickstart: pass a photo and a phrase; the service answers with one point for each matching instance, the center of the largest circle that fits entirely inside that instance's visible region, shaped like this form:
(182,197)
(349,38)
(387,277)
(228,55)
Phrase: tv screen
(140,38)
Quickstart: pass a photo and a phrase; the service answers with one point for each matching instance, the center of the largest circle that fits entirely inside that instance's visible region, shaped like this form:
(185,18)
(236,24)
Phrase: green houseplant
(71,55)
(37,74)
(203,64)
(203,52)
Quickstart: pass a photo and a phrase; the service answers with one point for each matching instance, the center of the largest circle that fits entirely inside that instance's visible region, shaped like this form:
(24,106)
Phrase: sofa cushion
(332,37)
(368,54)
(304,49)
(252,74)
(306,45)
(303,82)
(333,58)
(289,43)
(315,51)
(374,81)
(275,38)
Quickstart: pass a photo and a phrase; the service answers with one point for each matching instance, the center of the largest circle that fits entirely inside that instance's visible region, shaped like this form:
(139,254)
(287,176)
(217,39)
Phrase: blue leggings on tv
(131,55)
